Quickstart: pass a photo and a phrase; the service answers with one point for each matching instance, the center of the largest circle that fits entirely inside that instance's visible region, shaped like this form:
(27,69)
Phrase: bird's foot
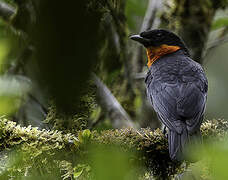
(164,131)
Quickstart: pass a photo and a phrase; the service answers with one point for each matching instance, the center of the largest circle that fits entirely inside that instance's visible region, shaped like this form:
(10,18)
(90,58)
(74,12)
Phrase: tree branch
(151,20)
(6,11)
(152,8)
(151,145)
(216,43)
(119,117)
(148,23)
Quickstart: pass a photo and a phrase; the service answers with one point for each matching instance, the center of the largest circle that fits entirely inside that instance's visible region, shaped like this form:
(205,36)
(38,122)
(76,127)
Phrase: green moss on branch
(151,146)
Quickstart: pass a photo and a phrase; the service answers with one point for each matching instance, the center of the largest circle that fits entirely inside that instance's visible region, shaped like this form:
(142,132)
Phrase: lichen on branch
(151,146)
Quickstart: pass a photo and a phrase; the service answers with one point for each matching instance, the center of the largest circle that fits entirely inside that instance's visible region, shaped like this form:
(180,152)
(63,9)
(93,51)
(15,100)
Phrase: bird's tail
(179,143)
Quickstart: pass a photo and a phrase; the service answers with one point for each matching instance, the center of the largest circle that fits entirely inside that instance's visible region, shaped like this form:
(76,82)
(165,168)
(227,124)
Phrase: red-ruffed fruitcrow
(176,87)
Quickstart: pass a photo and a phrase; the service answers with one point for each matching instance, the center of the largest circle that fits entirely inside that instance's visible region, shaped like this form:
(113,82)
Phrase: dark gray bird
(176,87)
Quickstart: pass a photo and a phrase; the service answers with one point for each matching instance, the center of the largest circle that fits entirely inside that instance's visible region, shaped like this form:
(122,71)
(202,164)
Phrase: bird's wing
(191,105)
(192,101)
(163,98)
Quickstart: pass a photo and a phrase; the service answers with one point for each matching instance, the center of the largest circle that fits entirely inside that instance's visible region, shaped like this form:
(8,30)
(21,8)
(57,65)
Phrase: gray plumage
(177,88)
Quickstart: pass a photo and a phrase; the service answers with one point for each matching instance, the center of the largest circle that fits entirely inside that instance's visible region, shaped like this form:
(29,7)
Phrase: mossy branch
(151,146)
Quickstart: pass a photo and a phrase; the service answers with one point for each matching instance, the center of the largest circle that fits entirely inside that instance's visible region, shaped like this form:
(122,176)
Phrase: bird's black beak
(139,39)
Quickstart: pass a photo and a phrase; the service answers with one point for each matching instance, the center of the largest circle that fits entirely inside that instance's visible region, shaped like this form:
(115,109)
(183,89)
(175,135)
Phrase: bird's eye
(159,34)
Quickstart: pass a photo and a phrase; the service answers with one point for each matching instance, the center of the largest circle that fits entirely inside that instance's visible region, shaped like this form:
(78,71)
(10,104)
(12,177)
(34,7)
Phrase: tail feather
(179,142)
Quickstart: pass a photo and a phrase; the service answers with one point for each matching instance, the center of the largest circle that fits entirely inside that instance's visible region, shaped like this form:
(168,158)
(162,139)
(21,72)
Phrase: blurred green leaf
(218,155)
(87,134)
(80,169)
(4,50)
(134,10)
(112,163)
(219,23)
(84,136)
(8,104)
(11,92)
(213,164)
(78,173)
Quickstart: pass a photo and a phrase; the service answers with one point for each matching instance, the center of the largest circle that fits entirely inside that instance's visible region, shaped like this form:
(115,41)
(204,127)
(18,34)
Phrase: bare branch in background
(221,39)
(140,76)
(151,20)
(6,11)
(118,116)
(216,43)
(212,45)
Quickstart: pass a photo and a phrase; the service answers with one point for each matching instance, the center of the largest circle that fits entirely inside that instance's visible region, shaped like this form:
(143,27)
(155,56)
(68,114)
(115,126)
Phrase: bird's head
(159,42)
(158,37)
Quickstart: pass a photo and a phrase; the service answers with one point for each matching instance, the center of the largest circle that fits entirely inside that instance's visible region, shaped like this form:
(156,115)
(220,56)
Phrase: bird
(176,86)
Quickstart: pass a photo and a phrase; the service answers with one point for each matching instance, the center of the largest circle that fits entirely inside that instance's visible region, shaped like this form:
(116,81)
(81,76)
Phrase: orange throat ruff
(154,53)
